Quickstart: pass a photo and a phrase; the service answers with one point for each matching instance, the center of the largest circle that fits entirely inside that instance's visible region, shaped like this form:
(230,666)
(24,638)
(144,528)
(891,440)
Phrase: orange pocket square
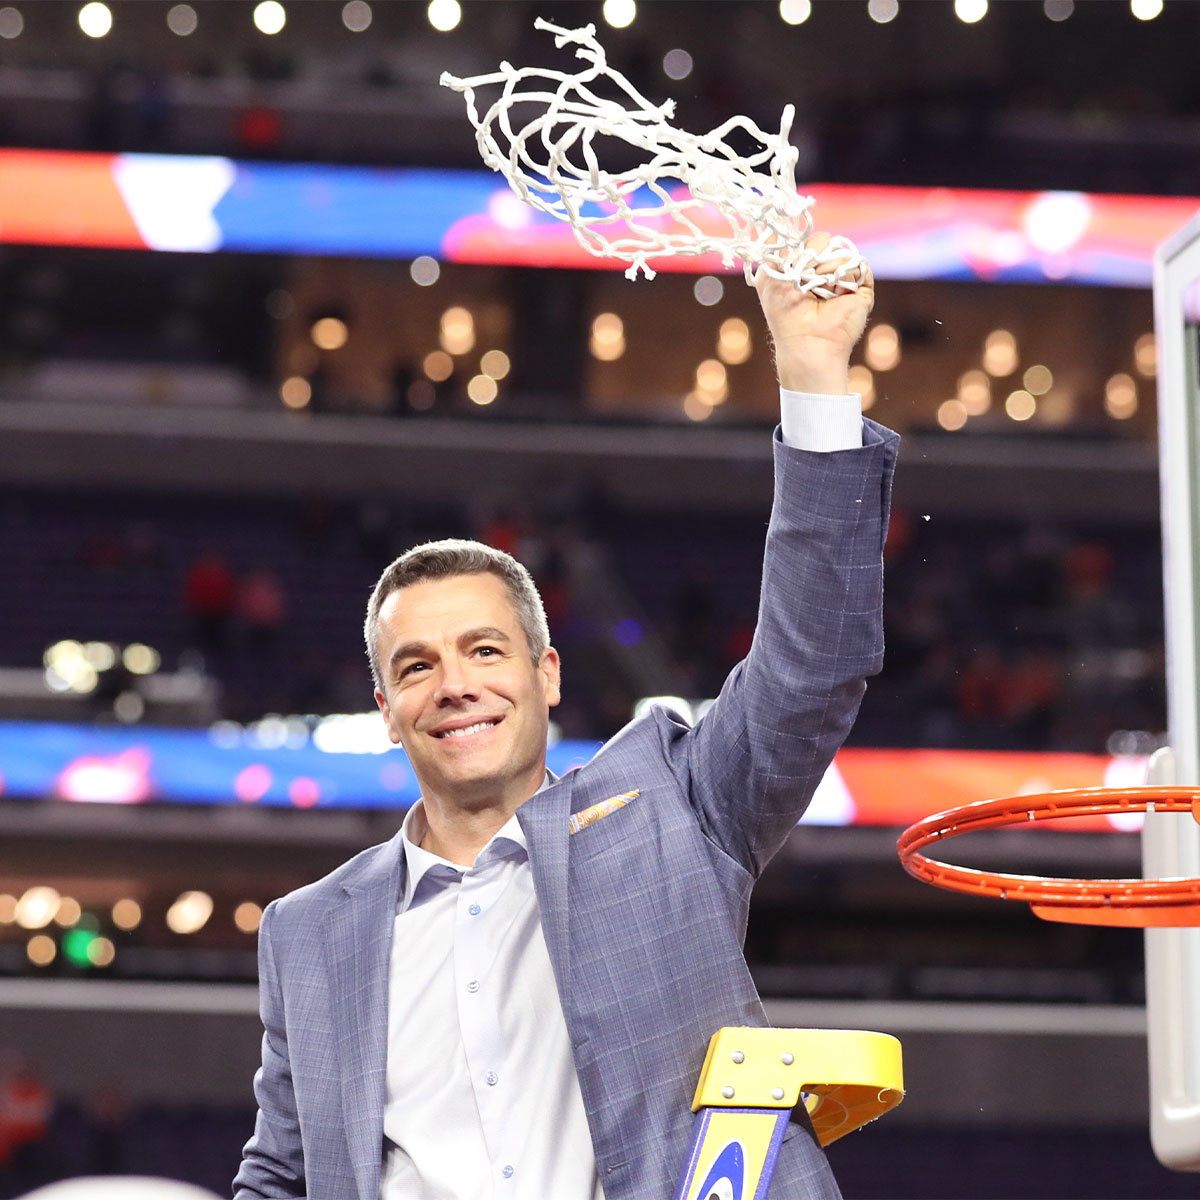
(581,820)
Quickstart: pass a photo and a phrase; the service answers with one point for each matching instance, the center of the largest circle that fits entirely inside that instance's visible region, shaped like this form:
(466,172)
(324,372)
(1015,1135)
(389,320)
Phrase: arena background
(210,450)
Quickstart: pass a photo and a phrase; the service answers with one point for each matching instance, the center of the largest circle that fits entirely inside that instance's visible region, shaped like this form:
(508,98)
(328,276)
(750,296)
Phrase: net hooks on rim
(768,221)
(1135,902)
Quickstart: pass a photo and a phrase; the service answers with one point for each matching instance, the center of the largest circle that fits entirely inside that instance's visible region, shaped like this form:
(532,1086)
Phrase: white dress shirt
(482,1097)
(482,1100)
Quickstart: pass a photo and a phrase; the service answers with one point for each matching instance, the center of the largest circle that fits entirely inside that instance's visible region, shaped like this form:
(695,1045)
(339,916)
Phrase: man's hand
(813,337)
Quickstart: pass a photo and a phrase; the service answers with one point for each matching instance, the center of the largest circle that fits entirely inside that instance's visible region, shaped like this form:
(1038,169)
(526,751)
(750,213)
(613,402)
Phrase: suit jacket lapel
(359,929)
(545,818)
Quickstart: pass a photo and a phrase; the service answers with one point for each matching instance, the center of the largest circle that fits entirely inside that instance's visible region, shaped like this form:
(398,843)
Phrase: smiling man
(512,998)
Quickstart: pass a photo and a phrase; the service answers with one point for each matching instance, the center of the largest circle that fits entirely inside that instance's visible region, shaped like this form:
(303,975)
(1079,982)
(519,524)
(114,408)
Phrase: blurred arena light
(356,15)
(1020,405)
(482,389)
(677,64)
(95,19)
(1120,397)
(295,392)
(269,17)
(329,333)
(8,908)
(37,906)
(1145,355)
(883,348)
(607,342)
(444,15)
(68,912)
(952,415)
(11,23)
(970,11)
(1058,10)
(182,20)
(883,11)
(129,708)
(67,668)
(1038,379)
(247,916)
(862,381)
(140,659)
(41,950)
(438,366)
(126,914)
(496,364)
(120,1187)
(101,952)
(620,14)
(975,392)
(708,290)
(733,341)
(795,12)
(712,382)
(190,912)
(102,656)
(457,330)
(696,407)
(1145,10)
(1000,353)
(425,270)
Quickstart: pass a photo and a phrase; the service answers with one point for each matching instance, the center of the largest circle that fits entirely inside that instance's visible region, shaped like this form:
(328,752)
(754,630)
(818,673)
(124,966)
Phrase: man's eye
(411,669)
(487,651)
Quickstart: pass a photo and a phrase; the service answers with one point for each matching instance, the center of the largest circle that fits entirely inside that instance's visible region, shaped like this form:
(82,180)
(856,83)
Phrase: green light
(75,945)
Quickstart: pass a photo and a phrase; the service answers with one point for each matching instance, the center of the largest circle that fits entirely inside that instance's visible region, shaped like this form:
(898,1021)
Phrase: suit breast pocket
(613,836)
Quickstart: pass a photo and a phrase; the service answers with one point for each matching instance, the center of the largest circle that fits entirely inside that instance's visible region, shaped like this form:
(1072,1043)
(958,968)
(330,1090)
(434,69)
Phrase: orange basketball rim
(1135,902)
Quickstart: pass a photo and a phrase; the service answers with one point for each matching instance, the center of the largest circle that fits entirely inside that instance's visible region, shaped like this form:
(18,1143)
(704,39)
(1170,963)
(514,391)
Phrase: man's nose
(455,685)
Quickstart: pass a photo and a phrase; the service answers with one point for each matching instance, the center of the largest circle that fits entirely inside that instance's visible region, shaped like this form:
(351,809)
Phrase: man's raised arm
(756,758)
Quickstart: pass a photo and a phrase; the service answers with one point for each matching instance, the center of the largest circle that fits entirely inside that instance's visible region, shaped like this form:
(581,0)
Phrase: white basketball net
(768,220)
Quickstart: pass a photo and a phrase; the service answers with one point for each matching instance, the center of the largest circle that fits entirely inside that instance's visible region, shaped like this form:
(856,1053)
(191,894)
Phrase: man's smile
(458,730)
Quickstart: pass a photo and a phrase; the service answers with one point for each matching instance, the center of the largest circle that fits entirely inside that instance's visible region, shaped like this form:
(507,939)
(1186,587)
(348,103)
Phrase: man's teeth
(467,729)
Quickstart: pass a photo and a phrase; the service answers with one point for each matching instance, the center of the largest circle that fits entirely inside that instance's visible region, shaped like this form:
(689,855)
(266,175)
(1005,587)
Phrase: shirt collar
(419,862)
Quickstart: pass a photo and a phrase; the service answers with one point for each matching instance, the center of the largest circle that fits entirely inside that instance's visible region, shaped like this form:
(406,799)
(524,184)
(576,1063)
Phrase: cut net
(759,219)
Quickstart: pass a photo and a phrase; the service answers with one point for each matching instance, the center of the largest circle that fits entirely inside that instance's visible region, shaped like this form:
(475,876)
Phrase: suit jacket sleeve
(273,1159)
(755,759)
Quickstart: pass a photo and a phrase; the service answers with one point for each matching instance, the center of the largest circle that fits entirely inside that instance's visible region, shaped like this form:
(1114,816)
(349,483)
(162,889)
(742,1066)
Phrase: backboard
(1171,842)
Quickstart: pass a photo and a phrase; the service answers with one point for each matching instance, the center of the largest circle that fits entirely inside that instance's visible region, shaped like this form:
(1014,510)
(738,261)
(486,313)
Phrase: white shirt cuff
(822,423)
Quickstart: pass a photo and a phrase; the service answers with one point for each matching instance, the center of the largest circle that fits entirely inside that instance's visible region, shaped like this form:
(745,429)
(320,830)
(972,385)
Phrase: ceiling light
(95,19)
(269,16)
(795,12)
(356,15)
(182,20)
(11,23)
(444,15)
(620,14)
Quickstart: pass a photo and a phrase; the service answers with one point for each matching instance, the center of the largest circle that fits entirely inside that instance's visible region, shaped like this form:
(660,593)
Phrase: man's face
(461,693)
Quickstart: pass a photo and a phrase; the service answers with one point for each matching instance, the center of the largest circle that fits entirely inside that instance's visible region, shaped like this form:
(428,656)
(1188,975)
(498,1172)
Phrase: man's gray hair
(457,556)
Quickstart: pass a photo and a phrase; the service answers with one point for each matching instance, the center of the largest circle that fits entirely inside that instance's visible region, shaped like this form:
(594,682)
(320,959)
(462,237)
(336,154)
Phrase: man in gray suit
(512,997)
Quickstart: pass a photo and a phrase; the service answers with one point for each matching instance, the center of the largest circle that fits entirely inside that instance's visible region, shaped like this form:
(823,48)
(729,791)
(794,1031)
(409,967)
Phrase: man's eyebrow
(485,633)
(408,650)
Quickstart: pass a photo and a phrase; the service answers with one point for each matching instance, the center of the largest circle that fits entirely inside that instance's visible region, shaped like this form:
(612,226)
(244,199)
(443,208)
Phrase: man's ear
(386,711)
(551,669)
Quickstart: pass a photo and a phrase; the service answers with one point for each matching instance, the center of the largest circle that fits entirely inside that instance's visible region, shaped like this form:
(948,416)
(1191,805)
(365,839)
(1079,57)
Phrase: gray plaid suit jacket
(644,911)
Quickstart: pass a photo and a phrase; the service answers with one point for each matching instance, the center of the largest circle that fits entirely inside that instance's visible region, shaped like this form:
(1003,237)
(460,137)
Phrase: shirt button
(491,1079)
(473,986)
(507,1172)
(474,910)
